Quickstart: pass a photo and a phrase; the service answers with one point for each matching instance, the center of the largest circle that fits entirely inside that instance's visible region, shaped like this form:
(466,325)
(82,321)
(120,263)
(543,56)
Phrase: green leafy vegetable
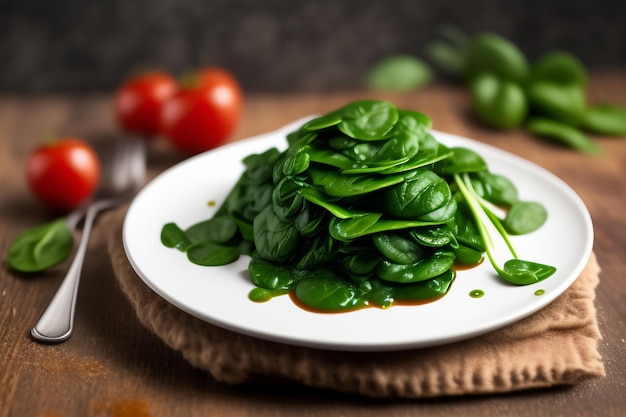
(41,247)
(364,208)
(559,67)
(514,270)
(564,134)
(399,73)
(498,102)
(450,53)
(525,217)
(509,92)
(560,102)
(605,119)
(492,53)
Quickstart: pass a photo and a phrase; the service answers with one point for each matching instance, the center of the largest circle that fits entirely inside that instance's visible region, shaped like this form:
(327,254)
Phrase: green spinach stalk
(514,270)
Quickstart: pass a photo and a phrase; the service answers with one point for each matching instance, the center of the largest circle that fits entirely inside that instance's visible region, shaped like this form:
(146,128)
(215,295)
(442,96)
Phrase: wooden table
(112,366)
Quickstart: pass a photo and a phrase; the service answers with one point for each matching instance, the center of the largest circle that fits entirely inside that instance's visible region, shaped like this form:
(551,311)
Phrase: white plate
(219,295)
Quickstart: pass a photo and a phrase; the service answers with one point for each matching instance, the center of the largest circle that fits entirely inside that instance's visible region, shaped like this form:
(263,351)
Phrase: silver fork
(128,170)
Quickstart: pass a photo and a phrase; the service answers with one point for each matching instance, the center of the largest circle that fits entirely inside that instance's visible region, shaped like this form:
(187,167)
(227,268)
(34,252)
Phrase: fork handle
(57,321)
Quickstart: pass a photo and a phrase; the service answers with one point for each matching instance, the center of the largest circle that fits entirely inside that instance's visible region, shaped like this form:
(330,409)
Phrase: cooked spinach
(364,208)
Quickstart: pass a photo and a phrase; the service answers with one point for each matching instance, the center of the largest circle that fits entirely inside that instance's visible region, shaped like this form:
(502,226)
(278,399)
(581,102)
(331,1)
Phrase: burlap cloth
(555,346)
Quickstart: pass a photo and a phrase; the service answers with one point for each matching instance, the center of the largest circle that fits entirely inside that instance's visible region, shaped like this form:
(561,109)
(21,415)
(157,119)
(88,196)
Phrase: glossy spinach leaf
(269,275)
(428,290)
(337,185)
(525,217)
(209,253)
(494,188)
(461,160)
(173,236)
(421,270)
(435,237)
(327,293)
(397,249)
(323,122)
(219,229)
(520,272)
(274,239)
(41,247)
(421,194)
(368,119)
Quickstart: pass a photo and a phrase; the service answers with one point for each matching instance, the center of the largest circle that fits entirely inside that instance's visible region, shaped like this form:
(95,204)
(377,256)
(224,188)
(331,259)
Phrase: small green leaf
(397,249)
(327,293)
(323,122)
(41,247)
(173,236)
(368,119)
(605,119)
(424,269)
(430,289)
(274,239)
(270,276)
(495,188)
(520,272)
(565,103)
(492,53)
(461,160)
(498,102)
(219,229)
(525,217)
(559,67)
(564,134)
(212,254)
(399,73)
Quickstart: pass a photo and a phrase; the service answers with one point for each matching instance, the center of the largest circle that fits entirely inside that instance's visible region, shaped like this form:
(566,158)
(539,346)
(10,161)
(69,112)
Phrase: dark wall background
(278,45)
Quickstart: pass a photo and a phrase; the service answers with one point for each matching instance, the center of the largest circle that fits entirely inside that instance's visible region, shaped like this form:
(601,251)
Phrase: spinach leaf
(397,249)
(274,239)
(461,160)
(421,270)
(564,134)
(525,217)
(368,119)
(423,193)
(41,247)
(399,73)
(209,253)
(327,293)
(173,236)
(424,290)
(337,185)
(605,119)
(219,229)
(495,188)
(323,122)
(270,275)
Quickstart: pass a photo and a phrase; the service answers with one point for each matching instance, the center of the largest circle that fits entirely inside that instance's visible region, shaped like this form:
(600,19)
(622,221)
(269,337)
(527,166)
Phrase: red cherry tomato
(64,173)
(138,102)
(204,112)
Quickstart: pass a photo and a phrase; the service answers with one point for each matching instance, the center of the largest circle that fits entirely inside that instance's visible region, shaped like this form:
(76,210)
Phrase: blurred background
(80,46)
